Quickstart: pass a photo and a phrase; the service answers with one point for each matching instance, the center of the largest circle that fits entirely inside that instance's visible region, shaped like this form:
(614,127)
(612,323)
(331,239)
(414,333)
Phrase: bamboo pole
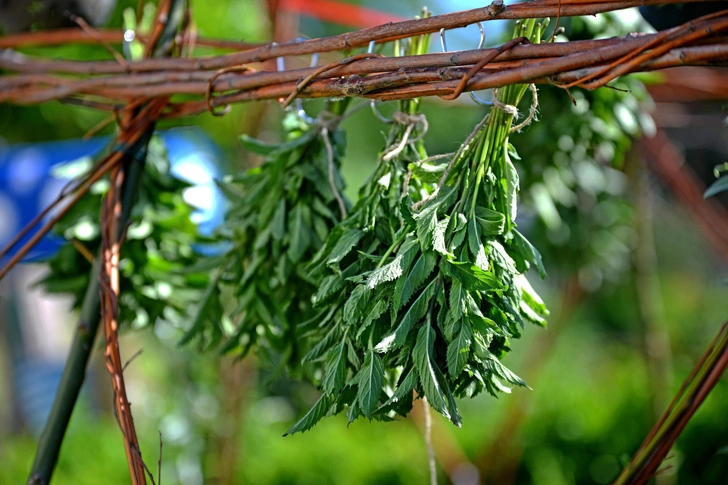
(74,371)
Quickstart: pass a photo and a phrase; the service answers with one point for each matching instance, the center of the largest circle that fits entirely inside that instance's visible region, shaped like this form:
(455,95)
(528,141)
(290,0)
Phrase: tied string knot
(410,121)
(513,111)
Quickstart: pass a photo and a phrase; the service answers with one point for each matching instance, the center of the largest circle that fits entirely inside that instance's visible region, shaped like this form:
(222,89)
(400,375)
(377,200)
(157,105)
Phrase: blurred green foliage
(157,274)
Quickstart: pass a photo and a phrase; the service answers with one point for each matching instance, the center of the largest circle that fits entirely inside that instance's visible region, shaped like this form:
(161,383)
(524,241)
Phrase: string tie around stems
(410,121)
(513,111)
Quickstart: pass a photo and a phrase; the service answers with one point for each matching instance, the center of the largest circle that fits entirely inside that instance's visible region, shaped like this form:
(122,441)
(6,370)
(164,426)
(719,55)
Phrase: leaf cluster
(280,215)
(159,246)
(423,289)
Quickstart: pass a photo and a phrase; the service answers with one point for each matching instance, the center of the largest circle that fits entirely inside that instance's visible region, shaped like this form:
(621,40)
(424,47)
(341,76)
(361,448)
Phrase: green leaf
(426,218)
(406,287)
(299,231)
(370,383)
(429,172)
(470,276)
(355,304)
(451,404)
(313,416)
(335,369)
(529,253)
(720,185)
(426,223)
(329,285)
(415,313)
(438,239)
(353,413)
(455,310)
(529,295)
(323,345)
(492,223)
(389,272)
(458,350)
(425,365)
(379,308)
(496,367)
(482,324)
(405,208)
(344,245)
(257,146)
(279,221)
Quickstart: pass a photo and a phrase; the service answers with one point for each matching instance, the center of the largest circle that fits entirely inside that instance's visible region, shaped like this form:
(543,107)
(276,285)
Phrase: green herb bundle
(432,300)
(281,213)
(158,250)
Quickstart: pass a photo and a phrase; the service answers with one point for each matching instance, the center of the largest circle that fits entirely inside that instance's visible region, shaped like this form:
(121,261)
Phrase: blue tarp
(27,183)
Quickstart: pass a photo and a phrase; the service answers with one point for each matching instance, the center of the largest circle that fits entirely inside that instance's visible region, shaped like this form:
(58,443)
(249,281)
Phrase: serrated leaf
(470,276)
(424,363)
(299,232)
(279,221)
(426,221)
(529,295)
(529,253)
(329,285)
(458,350)
(323,345)
(406,287)
(353,413)
(370,383)
(389,272)
(438,239)
(355,304)
(415,313)
(344,245)
(405,208)
(531,315)
(496,367)
(451,404)
(455,310)
(481,324)
(379,308)
(313,416)
(352,355)
(401,264)
(335,369)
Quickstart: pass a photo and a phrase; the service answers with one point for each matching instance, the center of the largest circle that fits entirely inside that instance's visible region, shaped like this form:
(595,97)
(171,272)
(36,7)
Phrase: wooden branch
(112,36)
(388,78)
(348,41)
(695,389)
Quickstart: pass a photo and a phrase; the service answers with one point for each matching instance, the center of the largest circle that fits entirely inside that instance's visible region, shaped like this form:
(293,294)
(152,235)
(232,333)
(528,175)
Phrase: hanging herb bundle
(371,227)
(158,250)
(432,299)
(281,213)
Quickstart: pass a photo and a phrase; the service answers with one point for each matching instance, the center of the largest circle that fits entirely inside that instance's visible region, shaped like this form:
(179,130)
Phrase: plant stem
(74,371)
(693,392)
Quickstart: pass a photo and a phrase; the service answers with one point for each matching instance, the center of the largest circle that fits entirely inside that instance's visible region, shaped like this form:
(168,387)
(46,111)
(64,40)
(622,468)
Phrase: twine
(326,122)
(410,121)
(513,111)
